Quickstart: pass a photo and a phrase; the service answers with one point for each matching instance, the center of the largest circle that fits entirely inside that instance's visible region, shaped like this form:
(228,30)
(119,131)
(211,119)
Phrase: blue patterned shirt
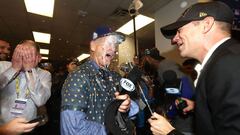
(86,94)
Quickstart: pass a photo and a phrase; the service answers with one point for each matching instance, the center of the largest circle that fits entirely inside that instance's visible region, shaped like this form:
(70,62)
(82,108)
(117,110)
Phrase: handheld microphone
(173,87)
(126,86)
(118,123)
(172,84)
(136,75)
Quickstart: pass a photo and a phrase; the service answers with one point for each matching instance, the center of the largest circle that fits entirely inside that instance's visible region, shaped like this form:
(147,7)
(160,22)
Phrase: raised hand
(124,107)
(30,57)
(159,125)
(17,126)
(190,105)
(17,57)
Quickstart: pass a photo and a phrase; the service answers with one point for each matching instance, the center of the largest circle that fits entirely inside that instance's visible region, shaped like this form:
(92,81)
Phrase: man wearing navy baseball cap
(89,89)
(203,32)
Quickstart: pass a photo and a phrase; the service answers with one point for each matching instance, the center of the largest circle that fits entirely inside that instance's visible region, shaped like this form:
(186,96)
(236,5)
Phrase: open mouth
(110,55)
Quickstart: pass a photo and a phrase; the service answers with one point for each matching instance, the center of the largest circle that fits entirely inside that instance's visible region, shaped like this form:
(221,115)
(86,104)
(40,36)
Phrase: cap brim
(120,36)
(169,31)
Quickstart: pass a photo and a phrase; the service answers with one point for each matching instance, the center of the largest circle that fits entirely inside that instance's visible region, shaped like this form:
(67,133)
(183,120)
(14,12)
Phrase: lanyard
(27,94)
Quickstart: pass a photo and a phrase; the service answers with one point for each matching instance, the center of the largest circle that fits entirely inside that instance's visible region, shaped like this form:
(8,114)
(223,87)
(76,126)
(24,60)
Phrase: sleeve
(223,94)
(74,123)
(39,84)
(6,73)
(134,109)
(175,132)
(74,104)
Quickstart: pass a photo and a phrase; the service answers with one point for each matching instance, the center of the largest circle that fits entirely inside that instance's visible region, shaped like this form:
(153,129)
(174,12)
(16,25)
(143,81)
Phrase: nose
(112,47)
(175,39)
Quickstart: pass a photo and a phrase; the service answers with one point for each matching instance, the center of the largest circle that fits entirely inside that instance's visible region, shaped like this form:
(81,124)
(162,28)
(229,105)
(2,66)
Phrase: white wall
(126,51)
(166,15)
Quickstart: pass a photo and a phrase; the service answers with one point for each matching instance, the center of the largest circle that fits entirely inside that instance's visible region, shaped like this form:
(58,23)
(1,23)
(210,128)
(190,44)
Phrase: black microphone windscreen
(171,84)
(135,74)
(169,76)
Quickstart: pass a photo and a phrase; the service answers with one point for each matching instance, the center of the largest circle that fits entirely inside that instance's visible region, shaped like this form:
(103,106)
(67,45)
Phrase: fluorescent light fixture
(140,21)
(41,37)
(40,7)
(45,58)
(44,51)
(83,56)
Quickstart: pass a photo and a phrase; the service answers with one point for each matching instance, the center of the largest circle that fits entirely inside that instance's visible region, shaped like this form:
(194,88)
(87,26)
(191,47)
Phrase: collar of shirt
(94,64)
(199,67)
(210,52)
(95,69)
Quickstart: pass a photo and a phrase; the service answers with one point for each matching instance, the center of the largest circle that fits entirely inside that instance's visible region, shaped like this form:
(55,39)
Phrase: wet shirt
(89,89)
(34,92)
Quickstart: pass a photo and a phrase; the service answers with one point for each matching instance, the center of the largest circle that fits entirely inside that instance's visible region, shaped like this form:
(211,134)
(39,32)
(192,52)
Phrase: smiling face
(189,40)
(103,50)
(4,50)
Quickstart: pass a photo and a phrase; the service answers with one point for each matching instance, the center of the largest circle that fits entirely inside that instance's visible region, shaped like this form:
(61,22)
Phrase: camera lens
(132,11)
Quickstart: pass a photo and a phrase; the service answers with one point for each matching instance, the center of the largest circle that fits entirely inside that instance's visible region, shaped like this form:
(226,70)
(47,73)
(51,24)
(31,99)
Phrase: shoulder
(80,75)
(224,68)
(230,46)
(228,55)
(4,65)
(42,71)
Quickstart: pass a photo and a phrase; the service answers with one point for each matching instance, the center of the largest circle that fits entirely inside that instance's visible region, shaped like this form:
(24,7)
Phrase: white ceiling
(72,24)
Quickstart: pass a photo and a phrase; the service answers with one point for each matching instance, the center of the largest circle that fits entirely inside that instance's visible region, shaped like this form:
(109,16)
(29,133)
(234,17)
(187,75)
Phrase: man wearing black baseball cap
(203,32)
(90,88)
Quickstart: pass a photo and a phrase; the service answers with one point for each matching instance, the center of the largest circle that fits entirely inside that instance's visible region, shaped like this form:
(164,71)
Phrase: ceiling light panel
(42,37)
(40,7)
(45,58)
(140,21)
(44,51)
(83,56)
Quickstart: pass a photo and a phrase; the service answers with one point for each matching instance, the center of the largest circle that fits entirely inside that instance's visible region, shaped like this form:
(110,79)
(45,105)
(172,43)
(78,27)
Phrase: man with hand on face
(17,125)
(23,85)
(203,32)
(90,88)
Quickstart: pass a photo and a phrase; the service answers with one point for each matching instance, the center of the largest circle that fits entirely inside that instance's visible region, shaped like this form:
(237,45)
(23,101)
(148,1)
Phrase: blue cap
(104,31)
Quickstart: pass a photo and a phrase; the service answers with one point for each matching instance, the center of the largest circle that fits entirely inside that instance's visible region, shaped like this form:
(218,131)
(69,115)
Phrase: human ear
(208,24)
(92,46)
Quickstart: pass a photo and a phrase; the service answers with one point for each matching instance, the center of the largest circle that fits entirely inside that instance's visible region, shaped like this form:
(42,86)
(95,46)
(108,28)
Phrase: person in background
(47,65)
(23,85)
(4,50)
(90,88)
(160,63)
(54,103)
(17,125)
(203,32)
(188,67)
(72,65)
(164,100)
